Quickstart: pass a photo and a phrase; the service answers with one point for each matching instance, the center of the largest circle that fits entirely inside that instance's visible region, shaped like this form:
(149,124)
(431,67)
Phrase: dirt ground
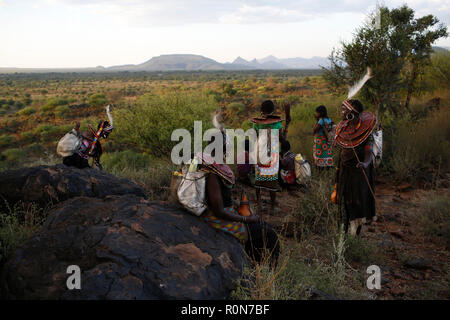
(412,266)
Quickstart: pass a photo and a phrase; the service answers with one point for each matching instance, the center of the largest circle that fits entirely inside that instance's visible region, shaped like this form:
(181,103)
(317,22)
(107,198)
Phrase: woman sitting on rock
(257,236)
(89,145)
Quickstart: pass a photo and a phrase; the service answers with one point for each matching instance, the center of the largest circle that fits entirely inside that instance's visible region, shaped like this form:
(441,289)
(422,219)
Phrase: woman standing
(355,182)
(322,151)
(266,174)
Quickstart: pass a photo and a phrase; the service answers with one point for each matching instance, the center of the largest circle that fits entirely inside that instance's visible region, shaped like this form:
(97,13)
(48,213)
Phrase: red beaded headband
(348,105)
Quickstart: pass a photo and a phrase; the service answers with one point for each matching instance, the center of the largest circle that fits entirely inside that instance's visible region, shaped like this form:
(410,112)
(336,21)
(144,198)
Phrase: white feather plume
(216,122)
(109,115)
(358,85)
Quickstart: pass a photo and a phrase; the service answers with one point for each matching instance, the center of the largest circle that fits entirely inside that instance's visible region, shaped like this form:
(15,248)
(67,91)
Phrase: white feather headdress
(353,90)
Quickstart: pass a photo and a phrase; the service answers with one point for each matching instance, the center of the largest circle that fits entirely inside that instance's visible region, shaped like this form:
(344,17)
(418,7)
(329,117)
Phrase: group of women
(354,178)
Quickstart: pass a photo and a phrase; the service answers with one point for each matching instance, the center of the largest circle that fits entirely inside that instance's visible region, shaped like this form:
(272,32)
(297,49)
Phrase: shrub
(26,111)
(314,212)
(34,149)
(152,175)
(98,100)
(27,136)
(49,132)
(6,140)
(62,111)
(296,278)
(434,219)
(236,107)
(361,250)
(148,125)
(417,149)
(13,157)
(125,159)
(17,224)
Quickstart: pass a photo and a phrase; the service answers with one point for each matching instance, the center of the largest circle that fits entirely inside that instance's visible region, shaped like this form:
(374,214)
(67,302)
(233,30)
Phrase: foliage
(6,140)
(98,100)
(397,49)
(315,213)
(297,278)
(417,149)
(434,219)
(148,125)
(17,224)
(26,111)
(13,157)
(151,174)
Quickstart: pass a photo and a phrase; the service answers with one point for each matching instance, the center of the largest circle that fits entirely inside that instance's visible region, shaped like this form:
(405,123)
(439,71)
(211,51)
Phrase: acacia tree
(396,46)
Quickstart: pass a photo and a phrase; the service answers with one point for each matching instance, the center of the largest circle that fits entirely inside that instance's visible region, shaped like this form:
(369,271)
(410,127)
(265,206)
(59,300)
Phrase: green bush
(361,250)
(98,100)
(125,159)
(57,101)
(27,136)
(17,225)
(34,149)
(152,175)
(295,278)
(148,125)
(13,157)
(26,111)
(434,218)
(236,107)
(49,132)
(417,149)
(62,111)
(6,140)
(315,214)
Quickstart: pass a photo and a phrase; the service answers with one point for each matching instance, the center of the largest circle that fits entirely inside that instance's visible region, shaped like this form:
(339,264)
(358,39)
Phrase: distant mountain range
(272,62)
(193,62)
(190,62)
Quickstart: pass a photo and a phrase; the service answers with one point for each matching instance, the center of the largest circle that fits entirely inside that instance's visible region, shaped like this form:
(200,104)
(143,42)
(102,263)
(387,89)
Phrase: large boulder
(126,248)
(52,184)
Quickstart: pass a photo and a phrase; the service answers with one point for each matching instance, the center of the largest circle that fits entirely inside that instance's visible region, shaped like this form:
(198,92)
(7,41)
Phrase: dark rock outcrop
(52,184)
(126,248)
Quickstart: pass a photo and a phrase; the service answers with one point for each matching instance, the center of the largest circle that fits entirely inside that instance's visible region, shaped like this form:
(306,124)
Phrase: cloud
(264,14)
(179,12)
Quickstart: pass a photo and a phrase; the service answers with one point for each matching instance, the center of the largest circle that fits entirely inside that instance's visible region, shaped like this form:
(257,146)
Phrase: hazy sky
(87,33)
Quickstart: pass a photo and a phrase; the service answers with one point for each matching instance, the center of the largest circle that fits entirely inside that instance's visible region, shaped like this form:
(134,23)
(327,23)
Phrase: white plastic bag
(192,191)
(377,148)
(302,170)
(69,144)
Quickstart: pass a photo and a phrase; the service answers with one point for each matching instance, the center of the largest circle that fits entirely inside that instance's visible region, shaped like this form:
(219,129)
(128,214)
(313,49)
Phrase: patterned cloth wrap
(323,152)
(266,175)
(236,229)
(84,148)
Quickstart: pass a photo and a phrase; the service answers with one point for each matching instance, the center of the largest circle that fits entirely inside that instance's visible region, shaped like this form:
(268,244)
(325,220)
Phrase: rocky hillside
(126,247)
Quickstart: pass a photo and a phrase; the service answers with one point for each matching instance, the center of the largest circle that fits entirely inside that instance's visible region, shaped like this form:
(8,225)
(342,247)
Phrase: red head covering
(223,170)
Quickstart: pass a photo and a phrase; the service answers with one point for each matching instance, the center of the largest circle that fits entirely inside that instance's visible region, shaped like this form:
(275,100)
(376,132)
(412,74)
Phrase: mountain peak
(240,60)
